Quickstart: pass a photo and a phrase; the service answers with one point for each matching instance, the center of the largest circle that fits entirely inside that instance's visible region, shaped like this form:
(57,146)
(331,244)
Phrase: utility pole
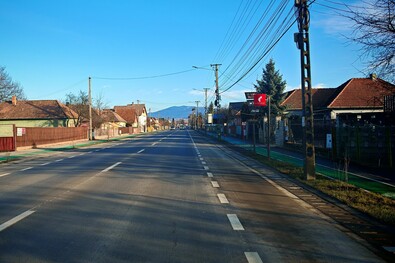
(268,127)
(90,108)
(197,114)
(303,43)
(217,97)
(205,103)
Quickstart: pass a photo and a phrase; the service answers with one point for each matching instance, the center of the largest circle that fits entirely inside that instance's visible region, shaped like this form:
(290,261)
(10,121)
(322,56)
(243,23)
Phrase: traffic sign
(260,100)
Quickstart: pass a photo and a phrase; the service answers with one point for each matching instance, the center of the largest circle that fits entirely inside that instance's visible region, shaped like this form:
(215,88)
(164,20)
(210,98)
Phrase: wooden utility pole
(90,108)
(303,43)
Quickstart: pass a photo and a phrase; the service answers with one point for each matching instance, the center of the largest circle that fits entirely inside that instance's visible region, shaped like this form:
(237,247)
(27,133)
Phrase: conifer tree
(273,85)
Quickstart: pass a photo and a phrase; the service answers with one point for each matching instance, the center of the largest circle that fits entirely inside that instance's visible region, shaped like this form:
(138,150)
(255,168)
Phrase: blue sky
(52,47)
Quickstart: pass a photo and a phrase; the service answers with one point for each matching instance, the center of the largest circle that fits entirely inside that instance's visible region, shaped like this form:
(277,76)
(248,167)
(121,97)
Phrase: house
(128,114)
(112,119)
(358,99)
(36,113)
(134,114)
(235,121)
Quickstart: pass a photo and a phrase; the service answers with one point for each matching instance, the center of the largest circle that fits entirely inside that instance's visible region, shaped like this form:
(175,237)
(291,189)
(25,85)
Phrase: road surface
(164,197)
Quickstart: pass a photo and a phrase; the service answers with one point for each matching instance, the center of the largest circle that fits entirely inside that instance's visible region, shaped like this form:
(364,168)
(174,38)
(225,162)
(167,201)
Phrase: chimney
(14,100)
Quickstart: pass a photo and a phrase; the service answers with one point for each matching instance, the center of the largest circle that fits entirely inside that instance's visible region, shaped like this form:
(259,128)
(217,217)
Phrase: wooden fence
(35,136)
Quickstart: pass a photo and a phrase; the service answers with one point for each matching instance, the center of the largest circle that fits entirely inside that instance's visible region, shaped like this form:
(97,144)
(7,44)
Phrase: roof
(362,93)
(128,113)
(321,98)
(354,93)
(139,108)
(111,116)
(35,109)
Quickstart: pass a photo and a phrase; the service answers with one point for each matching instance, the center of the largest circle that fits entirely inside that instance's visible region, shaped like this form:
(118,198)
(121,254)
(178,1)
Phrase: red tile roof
(35,109)
(354,93)
(321,98)
(111,116)
(139,108)
(362,93)
(128,113)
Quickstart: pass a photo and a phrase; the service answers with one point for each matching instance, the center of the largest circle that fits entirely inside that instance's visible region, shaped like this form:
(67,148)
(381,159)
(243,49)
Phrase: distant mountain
(176,112)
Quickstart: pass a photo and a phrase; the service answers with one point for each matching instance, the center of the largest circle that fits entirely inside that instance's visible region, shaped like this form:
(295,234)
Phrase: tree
(8,87)
(272,85)
(79,103)
(210,108)
(374,30)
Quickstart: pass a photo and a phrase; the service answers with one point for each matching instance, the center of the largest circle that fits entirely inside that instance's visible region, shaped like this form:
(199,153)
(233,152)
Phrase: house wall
(39,123)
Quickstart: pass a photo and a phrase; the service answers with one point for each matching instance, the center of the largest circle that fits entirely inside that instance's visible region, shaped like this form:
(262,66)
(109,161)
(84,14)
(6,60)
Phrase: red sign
(259,100)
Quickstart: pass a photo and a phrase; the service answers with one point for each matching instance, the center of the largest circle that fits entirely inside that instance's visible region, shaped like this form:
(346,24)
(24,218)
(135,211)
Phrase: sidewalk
(372,182)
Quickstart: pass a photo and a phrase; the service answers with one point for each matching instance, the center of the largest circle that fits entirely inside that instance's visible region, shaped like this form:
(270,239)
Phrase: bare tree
(374,29)
(8,87)
(79,104)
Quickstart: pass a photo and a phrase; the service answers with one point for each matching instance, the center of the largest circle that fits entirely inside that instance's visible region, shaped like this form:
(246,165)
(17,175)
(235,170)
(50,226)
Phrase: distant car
(172,128)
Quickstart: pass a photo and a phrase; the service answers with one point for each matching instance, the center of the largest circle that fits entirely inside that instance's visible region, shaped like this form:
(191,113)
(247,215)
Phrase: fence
(371,145)
(7,137)
(34,136)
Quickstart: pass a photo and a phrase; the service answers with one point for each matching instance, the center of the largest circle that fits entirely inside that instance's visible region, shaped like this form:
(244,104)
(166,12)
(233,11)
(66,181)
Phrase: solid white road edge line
(16,219)
(235,222)
(253,257)
(111,167)
(222,199)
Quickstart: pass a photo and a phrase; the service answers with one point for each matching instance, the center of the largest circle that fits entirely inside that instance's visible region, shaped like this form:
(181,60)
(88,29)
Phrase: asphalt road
(165,197)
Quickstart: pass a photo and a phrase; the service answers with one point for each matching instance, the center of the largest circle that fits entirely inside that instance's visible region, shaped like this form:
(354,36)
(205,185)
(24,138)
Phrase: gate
(7,138)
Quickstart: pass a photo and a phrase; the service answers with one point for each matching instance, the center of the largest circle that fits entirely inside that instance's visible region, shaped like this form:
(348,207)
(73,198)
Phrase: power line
(146,77)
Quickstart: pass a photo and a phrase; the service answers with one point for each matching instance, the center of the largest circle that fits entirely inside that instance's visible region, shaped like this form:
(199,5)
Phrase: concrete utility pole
(205,104)
(217,97)
(197,114)
(303,43)
(90,108)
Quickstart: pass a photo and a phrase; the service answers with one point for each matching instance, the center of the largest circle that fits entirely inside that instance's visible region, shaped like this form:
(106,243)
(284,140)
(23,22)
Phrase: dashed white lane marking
(90,152)
(27,168)
(153,144)
(81,154)
(1,175)
(16,219)
(204,162)
(253,257)
(206,168)
(59,160)
(43,164)
(111,167)
(215,184)
(210,175)
(72,156)
(235,222)
(222,199)
(141,151)
(201,159)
